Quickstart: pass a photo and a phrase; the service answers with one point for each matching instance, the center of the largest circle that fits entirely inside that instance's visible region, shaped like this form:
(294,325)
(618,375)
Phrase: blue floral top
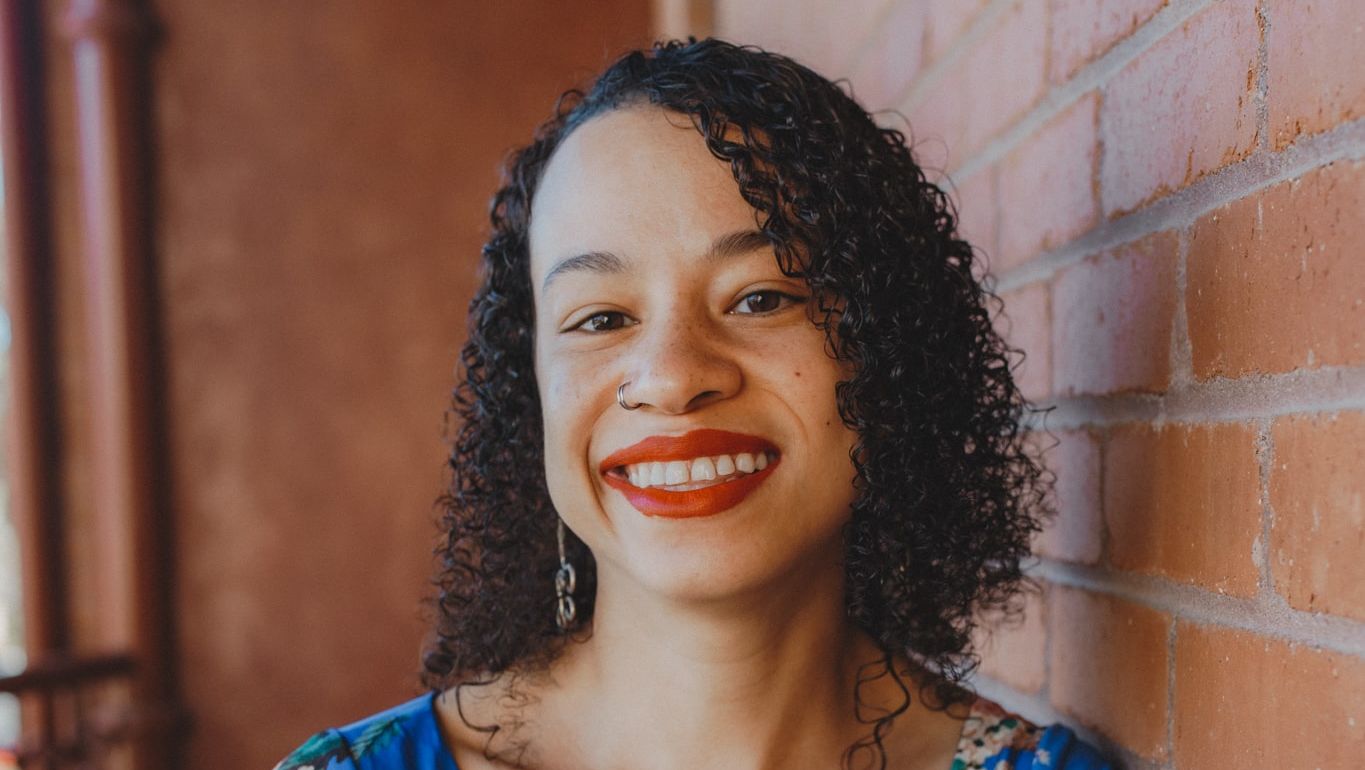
(407,737)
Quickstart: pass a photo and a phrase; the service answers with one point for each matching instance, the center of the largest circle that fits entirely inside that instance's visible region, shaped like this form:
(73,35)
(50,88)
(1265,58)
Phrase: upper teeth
(659,474)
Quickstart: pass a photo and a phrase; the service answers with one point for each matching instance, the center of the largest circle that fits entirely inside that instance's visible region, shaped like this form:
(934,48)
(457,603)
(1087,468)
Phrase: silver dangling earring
(565,609)
(621,398)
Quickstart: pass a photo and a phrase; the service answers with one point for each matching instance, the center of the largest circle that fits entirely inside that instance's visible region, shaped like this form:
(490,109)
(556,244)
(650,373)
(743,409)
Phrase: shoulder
(398,738)
(993,737)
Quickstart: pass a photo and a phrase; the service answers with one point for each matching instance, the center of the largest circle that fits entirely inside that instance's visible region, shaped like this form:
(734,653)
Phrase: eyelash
(792,298)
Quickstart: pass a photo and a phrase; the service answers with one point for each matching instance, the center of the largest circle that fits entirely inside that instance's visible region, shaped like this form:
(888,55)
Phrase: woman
(740,462)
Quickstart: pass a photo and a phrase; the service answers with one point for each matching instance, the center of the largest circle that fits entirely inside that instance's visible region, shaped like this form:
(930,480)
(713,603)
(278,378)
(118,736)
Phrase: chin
(702,570)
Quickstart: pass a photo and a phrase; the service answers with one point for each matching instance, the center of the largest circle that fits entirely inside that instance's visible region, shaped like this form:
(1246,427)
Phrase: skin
(718,641)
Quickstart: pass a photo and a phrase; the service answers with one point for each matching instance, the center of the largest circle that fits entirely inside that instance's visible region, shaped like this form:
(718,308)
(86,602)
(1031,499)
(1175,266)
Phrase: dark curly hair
(948,492)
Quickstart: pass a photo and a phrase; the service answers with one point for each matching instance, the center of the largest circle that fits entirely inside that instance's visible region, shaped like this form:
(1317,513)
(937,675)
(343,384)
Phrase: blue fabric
(405,737)
(408,737)
(1058,747)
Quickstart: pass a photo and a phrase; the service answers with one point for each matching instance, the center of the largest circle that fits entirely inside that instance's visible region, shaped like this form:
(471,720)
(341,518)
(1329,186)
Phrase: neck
(761,680)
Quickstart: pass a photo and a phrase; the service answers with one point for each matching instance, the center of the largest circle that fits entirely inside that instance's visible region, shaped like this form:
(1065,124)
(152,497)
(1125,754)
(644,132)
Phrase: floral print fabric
(407,737)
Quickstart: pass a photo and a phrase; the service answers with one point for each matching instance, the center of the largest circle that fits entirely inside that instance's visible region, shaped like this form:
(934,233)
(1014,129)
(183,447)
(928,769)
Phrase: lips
(707,501)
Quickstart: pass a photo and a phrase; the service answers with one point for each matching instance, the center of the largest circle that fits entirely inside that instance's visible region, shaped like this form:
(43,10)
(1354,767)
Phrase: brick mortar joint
(1265,450)
(1256,172)
(1269,617)
(875,29)
(1093,76)
(1102,437)
(1181,359)
(930,76)
(1322,390)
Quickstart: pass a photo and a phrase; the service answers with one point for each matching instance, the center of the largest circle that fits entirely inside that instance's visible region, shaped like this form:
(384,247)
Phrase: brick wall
(1171,197)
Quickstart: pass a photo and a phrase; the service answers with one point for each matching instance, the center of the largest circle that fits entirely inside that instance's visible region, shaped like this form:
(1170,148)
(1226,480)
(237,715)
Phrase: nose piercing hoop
(621,397)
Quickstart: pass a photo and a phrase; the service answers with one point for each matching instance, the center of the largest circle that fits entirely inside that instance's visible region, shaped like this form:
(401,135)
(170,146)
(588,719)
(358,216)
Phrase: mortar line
(1265,448)
(1269,617)
(1328,389)
(1263,77)
(939,69)
(1183,208)
(1181,361)
(875,29)
(1092,76)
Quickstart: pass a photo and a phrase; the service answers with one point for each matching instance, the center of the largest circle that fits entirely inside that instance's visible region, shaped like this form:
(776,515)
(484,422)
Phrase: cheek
(813,378)
(568,393)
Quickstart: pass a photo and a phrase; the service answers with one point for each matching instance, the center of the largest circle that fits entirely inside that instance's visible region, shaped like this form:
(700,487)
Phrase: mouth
(700,473)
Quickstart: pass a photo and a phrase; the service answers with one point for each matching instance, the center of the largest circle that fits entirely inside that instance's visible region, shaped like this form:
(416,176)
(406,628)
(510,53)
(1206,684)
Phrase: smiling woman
(741,460)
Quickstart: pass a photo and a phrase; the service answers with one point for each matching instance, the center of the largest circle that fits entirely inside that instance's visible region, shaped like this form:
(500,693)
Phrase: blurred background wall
(324,172)
(1170,195)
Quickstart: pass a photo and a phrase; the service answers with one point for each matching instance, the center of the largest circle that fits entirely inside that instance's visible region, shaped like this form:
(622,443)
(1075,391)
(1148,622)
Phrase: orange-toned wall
(324,171)
(1171,195)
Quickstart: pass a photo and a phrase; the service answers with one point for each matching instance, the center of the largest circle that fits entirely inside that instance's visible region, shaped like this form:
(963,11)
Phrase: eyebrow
(607,263)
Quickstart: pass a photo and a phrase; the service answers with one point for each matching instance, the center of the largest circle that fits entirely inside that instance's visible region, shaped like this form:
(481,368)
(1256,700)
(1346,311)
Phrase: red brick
(1317,490)
(1242,700)
(746,20)
(1114,315)
(1183,501)
(1015,652)
(947,20)
(789,27)
(1275,281)
(894,57)
(1074,535)
(1316,80)
(1047,185)
(976,100)
(1025,326)
(837,32)
(977,212)
(1109,665)
(1183,108)
(1084,30)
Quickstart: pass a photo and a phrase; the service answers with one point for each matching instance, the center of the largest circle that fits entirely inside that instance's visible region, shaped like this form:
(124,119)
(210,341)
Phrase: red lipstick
(707,501)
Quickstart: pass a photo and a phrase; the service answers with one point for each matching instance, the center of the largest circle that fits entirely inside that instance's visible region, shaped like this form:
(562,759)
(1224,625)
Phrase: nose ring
(621,397)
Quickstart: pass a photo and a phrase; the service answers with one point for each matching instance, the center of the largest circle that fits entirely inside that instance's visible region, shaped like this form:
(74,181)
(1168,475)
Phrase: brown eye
(763,302)
(601,322)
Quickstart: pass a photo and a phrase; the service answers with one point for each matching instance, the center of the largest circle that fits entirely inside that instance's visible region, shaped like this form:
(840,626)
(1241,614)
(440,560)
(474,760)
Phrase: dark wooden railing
(78,720)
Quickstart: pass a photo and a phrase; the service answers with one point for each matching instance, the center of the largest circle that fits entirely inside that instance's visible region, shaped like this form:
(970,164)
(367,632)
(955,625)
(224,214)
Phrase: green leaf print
(375,737)
(316,753)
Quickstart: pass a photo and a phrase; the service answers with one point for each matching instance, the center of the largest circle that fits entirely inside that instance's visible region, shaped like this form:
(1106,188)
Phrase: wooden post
(109,42)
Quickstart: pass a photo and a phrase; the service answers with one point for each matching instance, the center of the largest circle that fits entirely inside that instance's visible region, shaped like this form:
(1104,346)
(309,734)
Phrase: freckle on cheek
(798,374)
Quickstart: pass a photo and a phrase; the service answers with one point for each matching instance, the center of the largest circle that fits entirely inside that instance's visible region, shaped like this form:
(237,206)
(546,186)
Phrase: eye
(605,321)
(766,301)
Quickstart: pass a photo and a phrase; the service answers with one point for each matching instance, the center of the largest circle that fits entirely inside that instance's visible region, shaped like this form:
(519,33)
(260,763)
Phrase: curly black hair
(948,490)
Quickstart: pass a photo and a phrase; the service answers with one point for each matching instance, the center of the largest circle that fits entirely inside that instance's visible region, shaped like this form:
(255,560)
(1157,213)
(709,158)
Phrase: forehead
(638,181)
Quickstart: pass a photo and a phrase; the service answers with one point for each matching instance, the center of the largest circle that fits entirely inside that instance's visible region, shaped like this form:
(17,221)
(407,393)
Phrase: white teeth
(703,469)
(674,472)
(724,465)
(744,462)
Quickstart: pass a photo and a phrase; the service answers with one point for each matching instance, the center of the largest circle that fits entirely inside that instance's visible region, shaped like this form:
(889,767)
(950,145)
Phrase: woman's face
(647,267)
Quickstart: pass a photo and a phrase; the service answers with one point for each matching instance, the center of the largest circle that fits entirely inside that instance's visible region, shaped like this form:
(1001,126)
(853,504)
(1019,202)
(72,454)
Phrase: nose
(680,365)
